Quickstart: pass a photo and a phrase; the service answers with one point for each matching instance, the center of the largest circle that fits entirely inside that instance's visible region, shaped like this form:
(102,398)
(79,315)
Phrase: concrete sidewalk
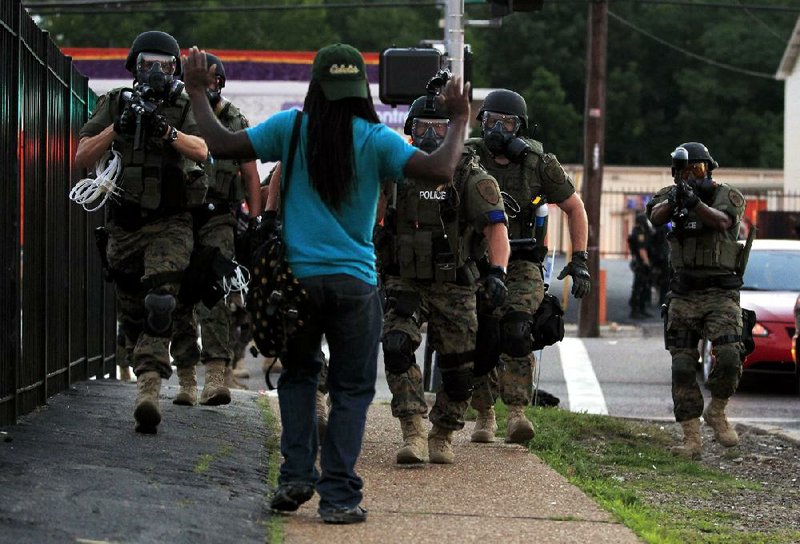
(75,471)
(493,493)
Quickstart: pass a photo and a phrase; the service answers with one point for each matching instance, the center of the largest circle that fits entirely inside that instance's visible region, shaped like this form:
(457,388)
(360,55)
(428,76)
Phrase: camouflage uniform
(704,302)
(214,225)
(448,304)
(150,233)
(540,175)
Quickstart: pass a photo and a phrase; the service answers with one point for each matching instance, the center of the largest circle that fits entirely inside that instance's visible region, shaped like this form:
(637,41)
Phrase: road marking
(583,388)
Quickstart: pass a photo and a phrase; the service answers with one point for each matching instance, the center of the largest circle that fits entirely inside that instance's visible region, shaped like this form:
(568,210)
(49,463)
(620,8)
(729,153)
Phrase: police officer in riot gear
(152,126)
(431,243)
(703,302)
(214,225)
(531,178)
(639,241)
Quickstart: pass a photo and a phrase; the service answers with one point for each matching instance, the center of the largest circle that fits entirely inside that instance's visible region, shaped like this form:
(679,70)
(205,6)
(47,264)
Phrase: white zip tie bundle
(237,281)
(103,186)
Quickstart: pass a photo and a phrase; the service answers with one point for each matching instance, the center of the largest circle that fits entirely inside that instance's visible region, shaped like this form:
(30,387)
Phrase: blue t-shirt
(319,240)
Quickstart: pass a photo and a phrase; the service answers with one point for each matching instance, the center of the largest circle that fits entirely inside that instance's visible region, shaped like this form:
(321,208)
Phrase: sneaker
(342,516)
(289,497)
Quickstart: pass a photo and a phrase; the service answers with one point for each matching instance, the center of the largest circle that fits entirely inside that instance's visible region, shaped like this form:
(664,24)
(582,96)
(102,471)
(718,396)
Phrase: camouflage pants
(525,294)
(160,247)
(713,313)
(452,326)
(215,323)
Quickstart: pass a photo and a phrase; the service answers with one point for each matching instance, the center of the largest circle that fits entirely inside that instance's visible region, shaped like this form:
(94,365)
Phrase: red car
(771,287)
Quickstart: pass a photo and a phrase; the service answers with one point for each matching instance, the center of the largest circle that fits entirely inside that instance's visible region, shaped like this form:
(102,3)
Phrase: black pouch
(202,280)
(548,322)
(444,262)
(748,322)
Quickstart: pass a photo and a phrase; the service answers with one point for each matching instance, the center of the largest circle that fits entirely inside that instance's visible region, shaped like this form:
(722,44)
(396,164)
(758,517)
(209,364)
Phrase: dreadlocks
(330,142)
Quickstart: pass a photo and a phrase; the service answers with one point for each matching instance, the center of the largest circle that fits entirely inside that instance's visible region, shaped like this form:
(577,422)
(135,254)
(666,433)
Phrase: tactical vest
(695,247)
(430,239)
(520,181)
(156,176)
(225,180)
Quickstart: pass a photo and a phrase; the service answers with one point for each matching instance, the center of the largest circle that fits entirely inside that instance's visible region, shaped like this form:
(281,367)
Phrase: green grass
(274,527)
(622,464)
(205,460)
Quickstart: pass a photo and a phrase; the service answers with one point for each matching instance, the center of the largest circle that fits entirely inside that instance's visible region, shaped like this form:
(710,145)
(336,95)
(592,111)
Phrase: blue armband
(496,216)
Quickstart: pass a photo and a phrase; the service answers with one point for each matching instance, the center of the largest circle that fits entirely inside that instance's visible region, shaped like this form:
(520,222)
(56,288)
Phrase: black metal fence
(56,313)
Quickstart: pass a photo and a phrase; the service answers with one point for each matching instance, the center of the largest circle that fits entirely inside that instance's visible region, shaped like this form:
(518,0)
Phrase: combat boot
(714,414)
(322,415)
(440,446)
(214,391)
(187,379)
(230,380)
(519,429)
(125,374)
(146,413)
(415,446)
(240,370)
(692,446)
(485,426)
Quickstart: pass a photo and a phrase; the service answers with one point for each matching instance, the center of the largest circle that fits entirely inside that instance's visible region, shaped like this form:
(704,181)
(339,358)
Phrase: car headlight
(760,330)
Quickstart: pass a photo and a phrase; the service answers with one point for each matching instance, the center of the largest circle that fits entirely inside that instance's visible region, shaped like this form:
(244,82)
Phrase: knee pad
(728,355)
(457,383)
(516,338)
(159,314)
(398,352)
(684,369)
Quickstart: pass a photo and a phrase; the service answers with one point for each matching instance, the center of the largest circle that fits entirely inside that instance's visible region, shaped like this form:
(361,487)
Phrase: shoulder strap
(292,146)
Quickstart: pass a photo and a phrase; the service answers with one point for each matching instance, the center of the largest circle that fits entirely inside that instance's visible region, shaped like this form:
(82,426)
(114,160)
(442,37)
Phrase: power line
(762,22)
(83,8)
(706,60)
(127,6)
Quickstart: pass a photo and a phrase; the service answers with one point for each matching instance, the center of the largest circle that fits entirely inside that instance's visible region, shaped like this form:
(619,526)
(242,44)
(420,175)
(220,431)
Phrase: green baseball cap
(341,71)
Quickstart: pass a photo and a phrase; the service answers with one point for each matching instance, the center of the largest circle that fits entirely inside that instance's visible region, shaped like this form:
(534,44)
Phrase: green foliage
(666,79)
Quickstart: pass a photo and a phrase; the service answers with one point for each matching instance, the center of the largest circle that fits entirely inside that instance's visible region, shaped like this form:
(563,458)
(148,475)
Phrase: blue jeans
(348,312)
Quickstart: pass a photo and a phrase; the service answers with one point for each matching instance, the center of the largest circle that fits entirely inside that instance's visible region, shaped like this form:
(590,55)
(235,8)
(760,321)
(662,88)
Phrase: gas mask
(698,177)
(428,134)
(215,95)
(500,135)
(154,73)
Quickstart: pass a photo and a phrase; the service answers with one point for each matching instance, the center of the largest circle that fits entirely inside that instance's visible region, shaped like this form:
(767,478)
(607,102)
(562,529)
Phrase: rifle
(142,102)
(680,160)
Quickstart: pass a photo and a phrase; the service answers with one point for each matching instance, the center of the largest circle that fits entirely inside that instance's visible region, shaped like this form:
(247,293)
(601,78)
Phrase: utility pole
(454,36)
(594,116)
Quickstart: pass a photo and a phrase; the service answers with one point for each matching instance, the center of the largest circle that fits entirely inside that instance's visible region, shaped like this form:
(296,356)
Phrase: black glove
(581,281)
(126,124)
(494,287)
(158,125)
(690,198)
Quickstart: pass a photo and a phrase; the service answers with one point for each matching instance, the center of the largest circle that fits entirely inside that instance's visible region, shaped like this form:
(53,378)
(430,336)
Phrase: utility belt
(526,249)
(683,283)
(131,217)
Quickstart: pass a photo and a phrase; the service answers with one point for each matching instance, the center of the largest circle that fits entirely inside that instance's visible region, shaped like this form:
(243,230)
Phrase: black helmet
(417,109)
(699,152)
(505,101)
(154,41)
(213,59)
